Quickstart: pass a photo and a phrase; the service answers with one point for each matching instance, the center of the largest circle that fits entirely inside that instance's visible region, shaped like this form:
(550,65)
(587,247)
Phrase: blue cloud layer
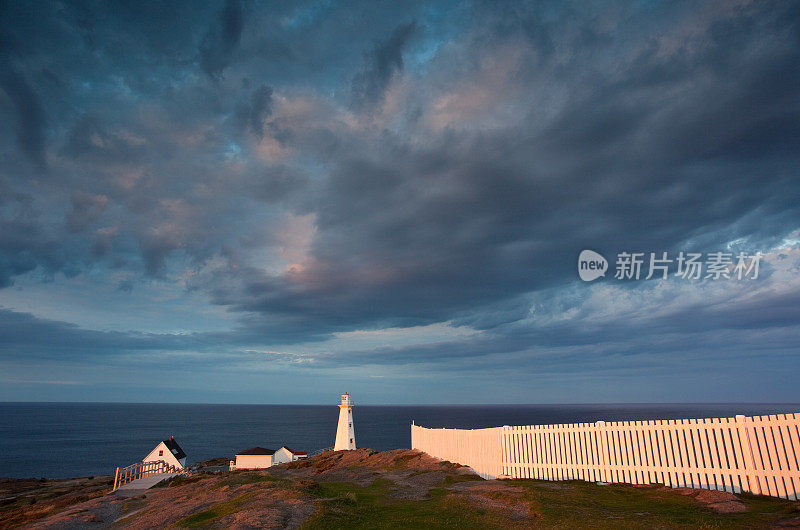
(313,170)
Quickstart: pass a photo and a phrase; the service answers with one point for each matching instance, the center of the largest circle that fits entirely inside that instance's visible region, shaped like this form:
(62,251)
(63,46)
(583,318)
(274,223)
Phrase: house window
(160,452)
(351,425)
(351,440)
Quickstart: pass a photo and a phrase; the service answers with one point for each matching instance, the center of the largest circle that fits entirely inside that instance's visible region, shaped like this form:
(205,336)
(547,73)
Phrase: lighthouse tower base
(345,434)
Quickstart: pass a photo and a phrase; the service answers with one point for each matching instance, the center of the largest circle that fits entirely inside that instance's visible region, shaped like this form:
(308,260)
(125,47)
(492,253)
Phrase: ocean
(56,440)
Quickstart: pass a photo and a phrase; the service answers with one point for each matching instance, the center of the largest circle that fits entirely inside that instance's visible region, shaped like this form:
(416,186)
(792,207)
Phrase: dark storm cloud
(298,194)
(277,183)
(31,121)
(381,64)
(89,140)
(26,336)
(25,244)
(575,341)
(260,109)
(29,338)
(647,156)
(86,209)
(222,40)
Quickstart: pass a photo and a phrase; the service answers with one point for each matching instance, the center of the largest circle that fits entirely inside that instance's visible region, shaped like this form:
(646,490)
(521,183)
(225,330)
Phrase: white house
(284,455)
(253,458)
(170,452)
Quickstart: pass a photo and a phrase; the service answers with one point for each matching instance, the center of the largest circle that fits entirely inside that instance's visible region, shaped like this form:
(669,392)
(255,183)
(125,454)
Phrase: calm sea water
(80,439)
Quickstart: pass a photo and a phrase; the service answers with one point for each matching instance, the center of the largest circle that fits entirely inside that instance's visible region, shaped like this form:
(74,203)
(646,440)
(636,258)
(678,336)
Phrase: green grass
(240,478)
(587,505)
(180,481)
(453,479)
(133,505)
(401,462)
(346,505)
(207,516)
(131,508)
(557,505)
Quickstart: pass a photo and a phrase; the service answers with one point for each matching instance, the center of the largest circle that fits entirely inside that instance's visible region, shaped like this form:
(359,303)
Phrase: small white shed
(253,458)
(284,455)
(169,451)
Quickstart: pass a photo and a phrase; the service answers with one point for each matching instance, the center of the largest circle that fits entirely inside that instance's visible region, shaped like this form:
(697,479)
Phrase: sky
(277,202)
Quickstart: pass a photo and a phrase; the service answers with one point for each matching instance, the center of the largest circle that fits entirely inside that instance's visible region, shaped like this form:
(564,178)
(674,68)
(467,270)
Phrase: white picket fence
(479,449)
(759,454)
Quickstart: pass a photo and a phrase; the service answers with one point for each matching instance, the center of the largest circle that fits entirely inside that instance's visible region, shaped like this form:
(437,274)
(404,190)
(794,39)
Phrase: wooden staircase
(126,475)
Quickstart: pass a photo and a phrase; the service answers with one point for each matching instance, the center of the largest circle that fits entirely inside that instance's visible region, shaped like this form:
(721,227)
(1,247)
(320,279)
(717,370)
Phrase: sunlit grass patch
(345,505)
(174,482)
(216,511)
(578,504)
(239,478)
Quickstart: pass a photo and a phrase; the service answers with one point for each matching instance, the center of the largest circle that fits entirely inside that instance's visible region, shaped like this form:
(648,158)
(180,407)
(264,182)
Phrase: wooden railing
(759,454)
(139,470)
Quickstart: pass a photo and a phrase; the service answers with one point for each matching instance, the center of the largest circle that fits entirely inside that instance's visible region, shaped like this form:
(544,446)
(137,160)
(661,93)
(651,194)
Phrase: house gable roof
(294,452)
(256,451)
(174,448)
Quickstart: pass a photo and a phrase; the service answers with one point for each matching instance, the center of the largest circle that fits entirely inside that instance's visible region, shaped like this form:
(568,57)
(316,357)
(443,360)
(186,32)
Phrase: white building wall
(253,461)
(282,456)
(166,455)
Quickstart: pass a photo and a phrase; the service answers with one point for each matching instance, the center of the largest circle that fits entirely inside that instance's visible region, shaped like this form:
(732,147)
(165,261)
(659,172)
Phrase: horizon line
(405,404)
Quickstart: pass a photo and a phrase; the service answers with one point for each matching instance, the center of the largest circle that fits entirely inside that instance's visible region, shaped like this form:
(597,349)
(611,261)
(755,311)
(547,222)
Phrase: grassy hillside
(394,489)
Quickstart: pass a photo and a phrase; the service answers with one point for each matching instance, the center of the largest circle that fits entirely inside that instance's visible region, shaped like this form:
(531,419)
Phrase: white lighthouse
(345,434)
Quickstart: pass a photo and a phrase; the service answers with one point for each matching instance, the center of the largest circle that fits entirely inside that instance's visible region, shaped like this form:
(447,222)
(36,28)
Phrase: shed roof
(294,452)
(256,451)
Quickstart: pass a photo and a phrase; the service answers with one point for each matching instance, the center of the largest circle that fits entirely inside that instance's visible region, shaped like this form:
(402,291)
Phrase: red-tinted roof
(294,452)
